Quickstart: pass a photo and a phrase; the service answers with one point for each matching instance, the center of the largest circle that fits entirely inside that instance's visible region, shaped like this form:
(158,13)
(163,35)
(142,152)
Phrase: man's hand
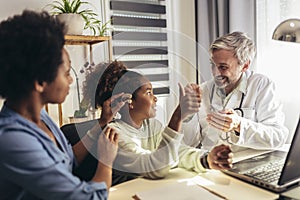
(220,157)
(225,120)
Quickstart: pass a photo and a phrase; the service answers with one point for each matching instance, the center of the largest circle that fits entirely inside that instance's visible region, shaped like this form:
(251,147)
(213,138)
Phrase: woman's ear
(39,86)
(130,106)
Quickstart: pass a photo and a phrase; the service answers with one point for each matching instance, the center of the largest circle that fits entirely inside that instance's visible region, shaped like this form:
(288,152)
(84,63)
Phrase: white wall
(182,48)
(9,8)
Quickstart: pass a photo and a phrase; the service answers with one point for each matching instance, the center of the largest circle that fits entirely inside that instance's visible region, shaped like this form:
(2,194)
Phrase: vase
(74,23)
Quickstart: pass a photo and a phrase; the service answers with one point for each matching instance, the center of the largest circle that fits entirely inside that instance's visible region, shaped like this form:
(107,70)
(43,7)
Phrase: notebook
(276,171)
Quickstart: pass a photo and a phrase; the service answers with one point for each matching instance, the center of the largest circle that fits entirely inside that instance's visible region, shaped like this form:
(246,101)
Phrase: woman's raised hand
(189,99)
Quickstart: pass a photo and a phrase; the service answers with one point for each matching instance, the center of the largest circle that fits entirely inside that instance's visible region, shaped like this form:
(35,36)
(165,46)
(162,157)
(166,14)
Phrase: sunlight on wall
(279,60)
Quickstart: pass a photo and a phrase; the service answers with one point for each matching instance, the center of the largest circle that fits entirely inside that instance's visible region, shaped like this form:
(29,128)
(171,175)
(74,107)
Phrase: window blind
(139,39)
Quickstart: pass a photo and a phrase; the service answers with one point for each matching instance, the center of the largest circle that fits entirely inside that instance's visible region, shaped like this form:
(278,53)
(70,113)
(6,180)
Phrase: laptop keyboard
(269,172)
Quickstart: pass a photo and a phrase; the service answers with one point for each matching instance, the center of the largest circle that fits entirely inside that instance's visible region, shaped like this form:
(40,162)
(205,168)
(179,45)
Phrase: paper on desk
(177,191)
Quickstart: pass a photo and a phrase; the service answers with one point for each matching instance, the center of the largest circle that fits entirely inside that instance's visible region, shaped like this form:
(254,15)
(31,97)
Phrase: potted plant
(81,112)
(84,104)
(86,17)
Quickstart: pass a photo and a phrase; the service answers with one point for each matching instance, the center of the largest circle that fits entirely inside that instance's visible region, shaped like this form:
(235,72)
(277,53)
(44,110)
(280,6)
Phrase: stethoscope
(238,110)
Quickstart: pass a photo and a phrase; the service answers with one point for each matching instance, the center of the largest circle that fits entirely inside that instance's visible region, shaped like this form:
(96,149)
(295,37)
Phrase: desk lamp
(288,31)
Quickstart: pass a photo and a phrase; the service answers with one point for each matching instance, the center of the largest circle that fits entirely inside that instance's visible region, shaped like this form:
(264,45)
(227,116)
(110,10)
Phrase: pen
(213,192)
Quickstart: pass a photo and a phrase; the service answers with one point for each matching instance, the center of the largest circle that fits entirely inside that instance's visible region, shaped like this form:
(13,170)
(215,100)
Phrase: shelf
(85,39)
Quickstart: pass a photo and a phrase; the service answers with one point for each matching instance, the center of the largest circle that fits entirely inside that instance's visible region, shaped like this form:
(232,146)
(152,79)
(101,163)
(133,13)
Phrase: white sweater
(153,150)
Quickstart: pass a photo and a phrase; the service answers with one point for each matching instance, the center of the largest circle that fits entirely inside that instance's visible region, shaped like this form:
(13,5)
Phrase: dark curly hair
(31,50)
(115,78)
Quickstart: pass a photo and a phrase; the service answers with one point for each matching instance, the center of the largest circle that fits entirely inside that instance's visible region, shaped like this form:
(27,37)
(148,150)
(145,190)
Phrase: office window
(279,60)
(140,39)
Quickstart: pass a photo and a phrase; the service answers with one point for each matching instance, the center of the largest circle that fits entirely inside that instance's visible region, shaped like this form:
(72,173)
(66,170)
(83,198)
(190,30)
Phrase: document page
(177,191)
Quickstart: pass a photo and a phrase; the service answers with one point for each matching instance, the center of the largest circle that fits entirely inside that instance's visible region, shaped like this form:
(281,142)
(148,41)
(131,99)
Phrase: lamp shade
(288,31)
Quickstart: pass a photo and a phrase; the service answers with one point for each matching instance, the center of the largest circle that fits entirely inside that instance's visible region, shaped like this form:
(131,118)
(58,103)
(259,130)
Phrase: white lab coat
(262,126)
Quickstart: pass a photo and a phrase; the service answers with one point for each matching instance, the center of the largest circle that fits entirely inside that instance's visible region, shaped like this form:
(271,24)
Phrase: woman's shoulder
(116,123)
(11,121)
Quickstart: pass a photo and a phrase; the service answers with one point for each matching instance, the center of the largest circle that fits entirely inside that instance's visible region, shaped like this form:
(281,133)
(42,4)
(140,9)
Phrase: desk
(216,181)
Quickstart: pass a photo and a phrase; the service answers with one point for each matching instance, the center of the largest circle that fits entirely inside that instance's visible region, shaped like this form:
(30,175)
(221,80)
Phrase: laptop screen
(291,170)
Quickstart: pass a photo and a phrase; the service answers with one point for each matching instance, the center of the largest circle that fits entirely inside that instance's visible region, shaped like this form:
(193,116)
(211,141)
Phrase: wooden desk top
(214,180)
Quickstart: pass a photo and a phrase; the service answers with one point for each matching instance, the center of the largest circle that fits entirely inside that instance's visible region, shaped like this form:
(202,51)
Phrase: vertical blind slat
(133,21)
(137,7)
(139,33)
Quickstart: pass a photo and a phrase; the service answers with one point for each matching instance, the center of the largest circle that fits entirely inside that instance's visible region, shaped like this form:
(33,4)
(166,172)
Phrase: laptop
(276,171)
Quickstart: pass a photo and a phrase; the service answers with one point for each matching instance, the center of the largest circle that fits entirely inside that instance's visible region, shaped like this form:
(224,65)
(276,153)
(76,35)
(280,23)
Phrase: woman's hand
(109,109)
(189,99)
(108,146)
(107,152)
(189,103)
(220,157)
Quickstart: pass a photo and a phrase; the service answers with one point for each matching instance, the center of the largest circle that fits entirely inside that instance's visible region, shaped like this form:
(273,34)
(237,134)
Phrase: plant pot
(74,23)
